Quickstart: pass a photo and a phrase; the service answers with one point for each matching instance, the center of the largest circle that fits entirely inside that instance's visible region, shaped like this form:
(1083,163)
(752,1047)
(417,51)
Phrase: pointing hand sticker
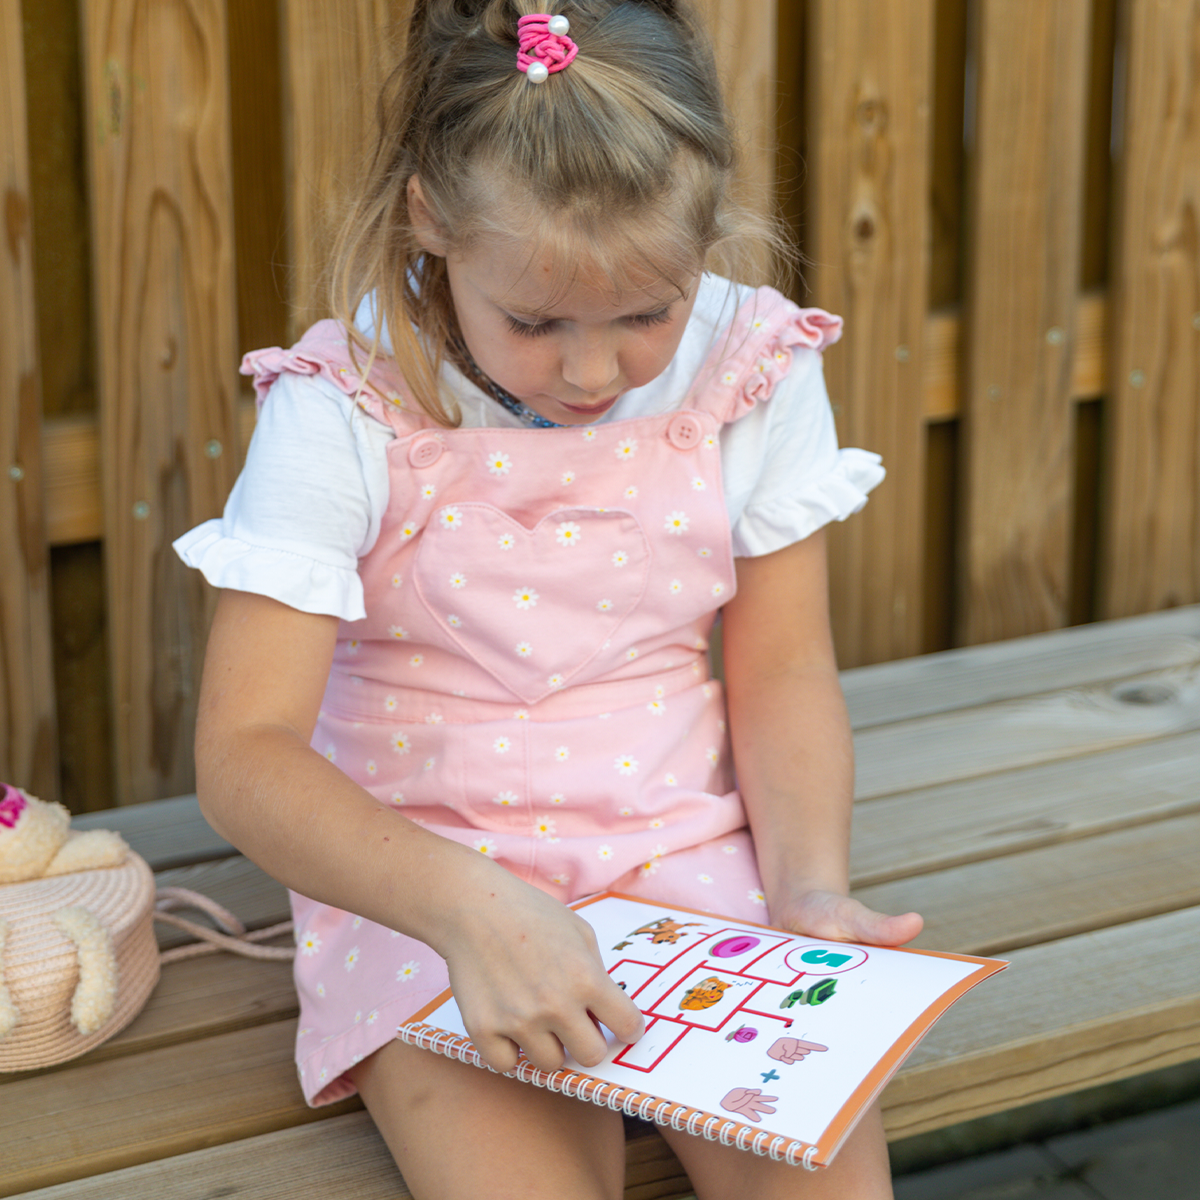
(789,1050)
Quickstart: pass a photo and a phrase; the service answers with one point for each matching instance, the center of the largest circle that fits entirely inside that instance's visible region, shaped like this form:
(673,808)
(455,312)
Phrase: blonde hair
(625,158)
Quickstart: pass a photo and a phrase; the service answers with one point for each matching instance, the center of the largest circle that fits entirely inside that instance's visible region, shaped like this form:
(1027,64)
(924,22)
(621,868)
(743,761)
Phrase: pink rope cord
(538,44)
(235,938)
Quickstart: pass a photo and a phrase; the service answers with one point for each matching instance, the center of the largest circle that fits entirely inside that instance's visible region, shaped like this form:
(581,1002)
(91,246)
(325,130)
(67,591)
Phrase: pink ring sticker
(732,947)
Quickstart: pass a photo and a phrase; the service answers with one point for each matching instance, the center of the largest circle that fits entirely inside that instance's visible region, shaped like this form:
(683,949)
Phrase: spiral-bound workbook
(755,1037)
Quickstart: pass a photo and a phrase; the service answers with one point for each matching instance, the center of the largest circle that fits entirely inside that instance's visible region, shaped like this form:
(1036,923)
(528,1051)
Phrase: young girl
(458,671)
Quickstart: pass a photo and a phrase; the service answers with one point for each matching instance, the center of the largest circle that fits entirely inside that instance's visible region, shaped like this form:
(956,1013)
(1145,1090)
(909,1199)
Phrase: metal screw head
(1196,320)
(1055,336)
(1137,378)
(213,449)
(141,510)
(902,354)
(993,392)
(16,472)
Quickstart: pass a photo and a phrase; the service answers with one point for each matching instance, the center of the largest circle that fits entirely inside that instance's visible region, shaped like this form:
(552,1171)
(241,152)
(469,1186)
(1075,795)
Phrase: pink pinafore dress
(532,677)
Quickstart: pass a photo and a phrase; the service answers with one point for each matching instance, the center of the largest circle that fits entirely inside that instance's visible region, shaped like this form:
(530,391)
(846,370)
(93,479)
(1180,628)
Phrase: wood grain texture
(1070,1015)
(869,110)
(163,237)
(167,833)
(27,702)
(336,56)
(1025,198)
(1038,896)
(115,1114)
(1153,546)
(246,890)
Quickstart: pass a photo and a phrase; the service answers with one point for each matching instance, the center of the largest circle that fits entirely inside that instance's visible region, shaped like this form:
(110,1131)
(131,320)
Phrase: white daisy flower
(568,477)
(631,492)
(485,846)
(626,764)
(352,958)
(650,867)
(525,597)
(718,589)
(556,680)
(506,541)
(675,587)
(408,530)
(712,754)
(434,718)
(589,435)
(389,704)
(407,971)
(657,707)
(543,827)
(558,798)
(454,621)
(373,1016)
(657,823)
(626,448)
(704,878)
(620,558)
(458,580)
(698,484)
(704,552)
(568,534)
(631,653)
(398,798)
(396,581)
(604,605)
(416,660)
(756,898)
(625,812)
(502,745)
(352,646)
(310,943)
(562,753)
(658,851)
(604,852)
(499,464)
(729,849)
(670,780)
(659,692)
(430,763)
(524,649)
(401,742)
(371,767)
(721,726)
(398,632)
(320,989)
(429,491)
(706,691)
(562,879)
(676,522)
(451,518)
(331,752)
(521,714)
(505,800)
(729,377)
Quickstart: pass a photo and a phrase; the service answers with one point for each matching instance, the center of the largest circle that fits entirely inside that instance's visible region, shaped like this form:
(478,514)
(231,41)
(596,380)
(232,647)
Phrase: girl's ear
(427,231)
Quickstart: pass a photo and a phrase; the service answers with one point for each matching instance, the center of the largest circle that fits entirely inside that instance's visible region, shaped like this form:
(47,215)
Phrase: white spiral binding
(807,1162)
(707,1131)
(774,1148)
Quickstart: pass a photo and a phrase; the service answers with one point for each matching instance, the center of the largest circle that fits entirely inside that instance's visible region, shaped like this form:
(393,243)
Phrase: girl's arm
(792,746)
(525,969)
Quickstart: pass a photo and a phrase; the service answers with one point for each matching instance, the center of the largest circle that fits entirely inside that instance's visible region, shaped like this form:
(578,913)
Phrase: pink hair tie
(544,46)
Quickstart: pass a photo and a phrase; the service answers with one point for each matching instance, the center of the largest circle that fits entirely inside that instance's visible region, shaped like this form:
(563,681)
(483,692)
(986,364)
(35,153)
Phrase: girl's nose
(590,363)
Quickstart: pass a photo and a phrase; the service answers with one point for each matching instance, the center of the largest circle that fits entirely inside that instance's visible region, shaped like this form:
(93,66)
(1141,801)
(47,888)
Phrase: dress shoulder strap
(324,350)
(755,352)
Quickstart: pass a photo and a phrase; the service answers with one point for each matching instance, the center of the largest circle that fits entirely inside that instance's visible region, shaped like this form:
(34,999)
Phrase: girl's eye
(642,320)
(526,329)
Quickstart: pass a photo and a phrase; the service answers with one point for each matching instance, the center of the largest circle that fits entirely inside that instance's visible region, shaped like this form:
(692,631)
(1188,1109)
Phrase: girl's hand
(825,914)
(526,972)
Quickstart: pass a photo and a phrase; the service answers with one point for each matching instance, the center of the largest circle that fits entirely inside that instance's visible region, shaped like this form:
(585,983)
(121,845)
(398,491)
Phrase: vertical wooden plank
(27,733)
(1152,558)
(1026,202)
(870,75)
(336,57)
(156,86)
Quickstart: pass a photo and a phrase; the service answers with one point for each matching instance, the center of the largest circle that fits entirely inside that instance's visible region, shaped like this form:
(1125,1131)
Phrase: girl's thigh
(860,1171)
(458,1131)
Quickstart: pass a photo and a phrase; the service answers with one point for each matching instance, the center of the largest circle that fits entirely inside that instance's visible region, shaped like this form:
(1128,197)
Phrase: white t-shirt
(309,501)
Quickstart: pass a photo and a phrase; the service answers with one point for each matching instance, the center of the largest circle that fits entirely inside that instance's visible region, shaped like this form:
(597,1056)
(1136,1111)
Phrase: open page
(754,1037)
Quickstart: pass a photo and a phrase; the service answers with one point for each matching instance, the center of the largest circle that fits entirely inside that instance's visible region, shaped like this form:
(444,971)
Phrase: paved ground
(1155,1156)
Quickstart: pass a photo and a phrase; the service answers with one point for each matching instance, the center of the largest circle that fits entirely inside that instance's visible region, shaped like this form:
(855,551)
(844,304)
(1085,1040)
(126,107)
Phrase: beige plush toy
(78,956)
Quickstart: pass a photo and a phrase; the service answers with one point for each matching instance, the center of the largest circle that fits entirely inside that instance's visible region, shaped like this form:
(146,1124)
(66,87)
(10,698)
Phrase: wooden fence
(1002,197)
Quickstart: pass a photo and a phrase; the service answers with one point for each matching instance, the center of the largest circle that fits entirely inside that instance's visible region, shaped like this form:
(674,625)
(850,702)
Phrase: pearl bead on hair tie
(559,26)
(544,47)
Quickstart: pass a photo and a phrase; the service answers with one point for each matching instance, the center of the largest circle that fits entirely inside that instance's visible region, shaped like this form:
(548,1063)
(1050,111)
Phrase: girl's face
(568,353)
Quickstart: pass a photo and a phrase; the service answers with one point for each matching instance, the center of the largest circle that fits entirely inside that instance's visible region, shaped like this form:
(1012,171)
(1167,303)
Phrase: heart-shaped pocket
(533,607)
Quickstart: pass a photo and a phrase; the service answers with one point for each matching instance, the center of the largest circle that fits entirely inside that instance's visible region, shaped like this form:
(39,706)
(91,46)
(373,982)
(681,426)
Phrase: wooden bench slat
(166,833)
(1069,1015)
(1067,723)
(930,829)
(1076,657)
(1001,904)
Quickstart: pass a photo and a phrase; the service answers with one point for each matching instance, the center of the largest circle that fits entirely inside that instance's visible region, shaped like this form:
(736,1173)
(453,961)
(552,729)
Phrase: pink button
(424,451)
(684,431)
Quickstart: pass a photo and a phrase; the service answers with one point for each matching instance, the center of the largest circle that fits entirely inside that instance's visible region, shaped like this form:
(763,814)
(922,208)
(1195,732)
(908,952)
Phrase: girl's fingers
(499,1053)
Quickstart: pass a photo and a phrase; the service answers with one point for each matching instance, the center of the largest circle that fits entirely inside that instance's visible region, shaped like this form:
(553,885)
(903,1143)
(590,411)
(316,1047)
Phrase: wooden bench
(1036,799)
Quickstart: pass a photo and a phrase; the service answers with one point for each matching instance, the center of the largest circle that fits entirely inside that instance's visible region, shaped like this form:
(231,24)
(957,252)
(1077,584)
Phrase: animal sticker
(705,994)
(664,930)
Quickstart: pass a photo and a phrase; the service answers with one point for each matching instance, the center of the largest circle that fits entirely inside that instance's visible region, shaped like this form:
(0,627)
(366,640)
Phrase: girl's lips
(591,410)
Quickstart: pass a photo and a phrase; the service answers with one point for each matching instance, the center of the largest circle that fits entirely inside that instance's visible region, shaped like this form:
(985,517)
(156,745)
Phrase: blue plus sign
(769,1076)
